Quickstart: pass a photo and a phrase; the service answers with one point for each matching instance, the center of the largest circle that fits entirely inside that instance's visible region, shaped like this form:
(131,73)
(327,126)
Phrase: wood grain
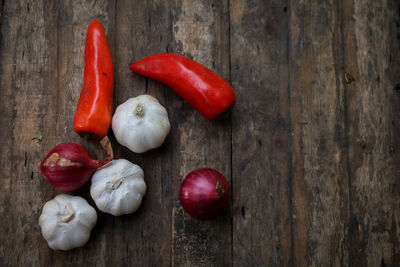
(28,83)
(372,56)
(1,9)
(317,106)
(311,148)
(200,31)
(260,130)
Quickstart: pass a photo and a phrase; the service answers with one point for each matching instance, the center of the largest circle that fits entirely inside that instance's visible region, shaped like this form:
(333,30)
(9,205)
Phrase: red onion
(69,166)
(205,193)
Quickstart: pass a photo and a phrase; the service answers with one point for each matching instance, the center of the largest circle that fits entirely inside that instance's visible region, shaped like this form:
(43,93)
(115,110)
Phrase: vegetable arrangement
(141,123)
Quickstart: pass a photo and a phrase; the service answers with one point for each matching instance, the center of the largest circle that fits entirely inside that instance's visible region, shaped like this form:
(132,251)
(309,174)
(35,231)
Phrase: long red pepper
(94,112)
(202,88)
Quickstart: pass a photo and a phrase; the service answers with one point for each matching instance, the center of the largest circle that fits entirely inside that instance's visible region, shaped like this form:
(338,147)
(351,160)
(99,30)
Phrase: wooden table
(311,148)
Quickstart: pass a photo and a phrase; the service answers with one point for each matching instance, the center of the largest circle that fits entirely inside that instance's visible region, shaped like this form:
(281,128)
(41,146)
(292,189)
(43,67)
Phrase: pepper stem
(220,190)
(139,110)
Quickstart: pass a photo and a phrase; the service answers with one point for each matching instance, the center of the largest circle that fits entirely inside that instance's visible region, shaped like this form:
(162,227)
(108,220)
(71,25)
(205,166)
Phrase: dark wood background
(311,148)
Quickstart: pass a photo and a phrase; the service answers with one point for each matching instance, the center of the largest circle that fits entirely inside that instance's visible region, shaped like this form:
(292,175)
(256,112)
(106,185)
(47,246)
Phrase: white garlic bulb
(66,222)
(118,187)
(141,123)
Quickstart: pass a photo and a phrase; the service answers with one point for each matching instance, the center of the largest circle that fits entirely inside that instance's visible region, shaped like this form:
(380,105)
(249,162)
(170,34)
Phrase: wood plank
(143,28)
(320,196)
(28,83)
(74,19)
(201,32)
(1,8)
(261,127)
(372,57)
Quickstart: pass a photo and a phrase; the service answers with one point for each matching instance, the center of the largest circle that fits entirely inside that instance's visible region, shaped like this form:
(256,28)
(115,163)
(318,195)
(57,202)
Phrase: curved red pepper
(202,88)
(94,112)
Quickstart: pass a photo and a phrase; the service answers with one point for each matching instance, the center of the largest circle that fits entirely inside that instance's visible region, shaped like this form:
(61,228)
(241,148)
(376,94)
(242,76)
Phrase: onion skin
(205,194)
(68,166)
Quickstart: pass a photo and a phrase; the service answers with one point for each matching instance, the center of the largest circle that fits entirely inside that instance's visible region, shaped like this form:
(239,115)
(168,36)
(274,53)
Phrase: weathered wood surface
(260,148)
(311,148)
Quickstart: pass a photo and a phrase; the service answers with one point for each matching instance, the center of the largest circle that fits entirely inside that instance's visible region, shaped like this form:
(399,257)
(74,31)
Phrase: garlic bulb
(118,187)
(66,222)
(141,123)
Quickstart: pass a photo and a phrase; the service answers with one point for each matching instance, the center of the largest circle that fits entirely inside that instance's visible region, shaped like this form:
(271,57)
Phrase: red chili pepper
(202,88)
(94,112)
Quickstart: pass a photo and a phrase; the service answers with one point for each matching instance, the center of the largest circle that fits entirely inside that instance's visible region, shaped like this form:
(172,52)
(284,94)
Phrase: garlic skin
(118,187)
(141,123)
(66,222)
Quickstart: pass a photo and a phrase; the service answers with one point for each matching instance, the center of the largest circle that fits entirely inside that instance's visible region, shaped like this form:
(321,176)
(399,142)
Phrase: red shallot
(205,193)
(68,166)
